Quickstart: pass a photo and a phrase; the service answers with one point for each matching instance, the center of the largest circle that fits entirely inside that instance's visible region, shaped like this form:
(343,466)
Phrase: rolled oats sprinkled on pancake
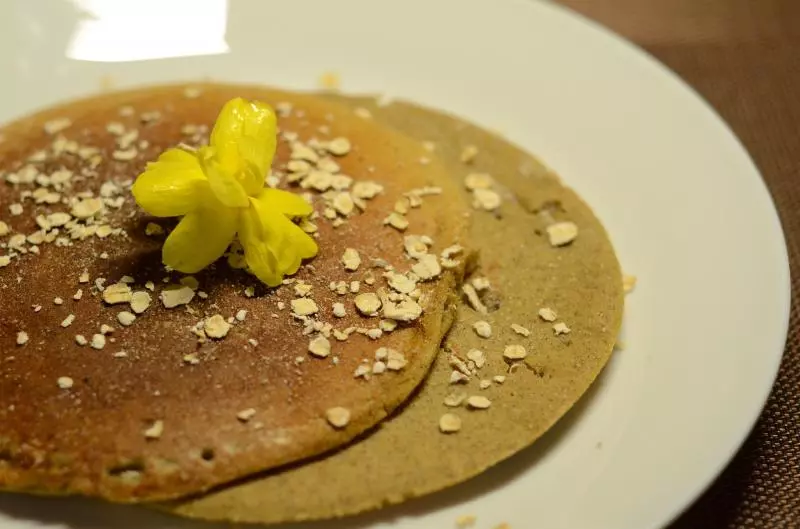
(155,430)
(190,281)
(22,338)
(427,267)
(396,221)
(547,314)
(106,329)
(468,154)
(561,328)
(562,233)
(54,126)
(486,199)
(98,341)
(320,347)
(485,384)
(191,359)
(81,339)
(396,360)
(473,299)
(16,209)
(401,206)
(66,322)
(338,417)
(449,423)
(457,377)
(416,245)
(65,382)
(477,356)
(58,219)
(478,402)
(519,329)
(117,293)
(387,325)
(475,181)
(152,229)
(140,301)
(455,399)
(351,259)
(482,329)
(246,414)
(338,146)
(362,371)
(176,295)
(514,352)
(304,306)
(192,92)
(499,379)
(406,310)
(339,310)
(216,326)
(367,189)
(126,318)
(368,303)
(363,113)
(400,282)
(343,203)
(87,208)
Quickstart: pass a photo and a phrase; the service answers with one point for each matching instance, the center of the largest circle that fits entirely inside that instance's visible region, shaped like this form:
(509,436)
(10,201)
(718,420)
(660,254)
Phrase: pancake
(580,282)
(169,404)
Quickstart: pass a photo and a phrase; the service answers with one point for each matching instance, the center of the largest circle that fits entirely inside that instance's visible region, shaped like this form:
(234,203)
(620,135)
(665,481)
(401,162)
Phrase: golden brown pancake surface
(150,411)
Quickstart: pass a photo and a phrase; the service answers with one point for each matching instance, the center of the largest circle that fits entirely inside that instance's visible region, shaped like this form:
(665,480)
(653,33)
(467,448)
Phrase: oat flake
(338,417)
(449,423)
(319,347)
(482,329)
(478,402)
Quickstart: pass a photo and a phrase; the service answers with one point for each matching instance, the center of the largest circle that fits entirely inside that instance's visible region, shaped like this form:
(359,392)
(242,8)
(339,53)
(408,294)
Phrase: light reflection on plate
(122,31)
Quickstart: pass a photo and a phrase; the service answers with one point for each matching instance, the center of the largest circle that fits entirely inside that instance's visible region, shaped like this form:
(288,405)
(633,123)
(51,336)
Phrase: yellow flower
(219,190)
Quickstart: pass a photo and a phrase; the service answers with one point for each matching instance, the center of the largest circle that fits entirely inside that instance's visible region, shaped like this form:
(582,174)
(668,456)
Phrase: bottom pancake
(560,290)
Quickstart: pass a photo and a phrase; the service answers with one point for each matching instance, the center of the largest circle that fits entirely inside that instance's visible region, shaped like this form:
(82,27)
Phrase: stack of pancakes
(293,413)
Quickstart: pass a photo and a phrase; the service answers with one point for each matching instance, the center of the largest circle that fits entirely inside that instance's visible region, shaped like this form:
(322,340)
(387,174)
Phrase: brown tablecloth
(744,57)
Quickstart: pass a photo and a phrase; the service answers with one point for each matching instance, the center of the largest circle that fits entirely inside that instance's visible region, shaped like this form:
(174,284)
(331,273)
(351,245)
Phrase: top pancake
(90,438)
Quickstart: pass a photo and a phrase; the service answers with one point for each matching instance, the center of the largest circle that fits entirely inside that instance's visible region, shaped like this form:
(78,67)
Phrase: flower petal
(171,186)
(200,238)
(273,245)
(252,127)
(290,204)
(220,167)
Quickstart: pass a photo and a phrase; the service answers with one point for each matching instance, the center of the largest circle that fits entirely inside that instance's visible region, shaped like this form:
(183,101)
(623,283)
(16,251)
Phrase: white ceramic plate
(685,205)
